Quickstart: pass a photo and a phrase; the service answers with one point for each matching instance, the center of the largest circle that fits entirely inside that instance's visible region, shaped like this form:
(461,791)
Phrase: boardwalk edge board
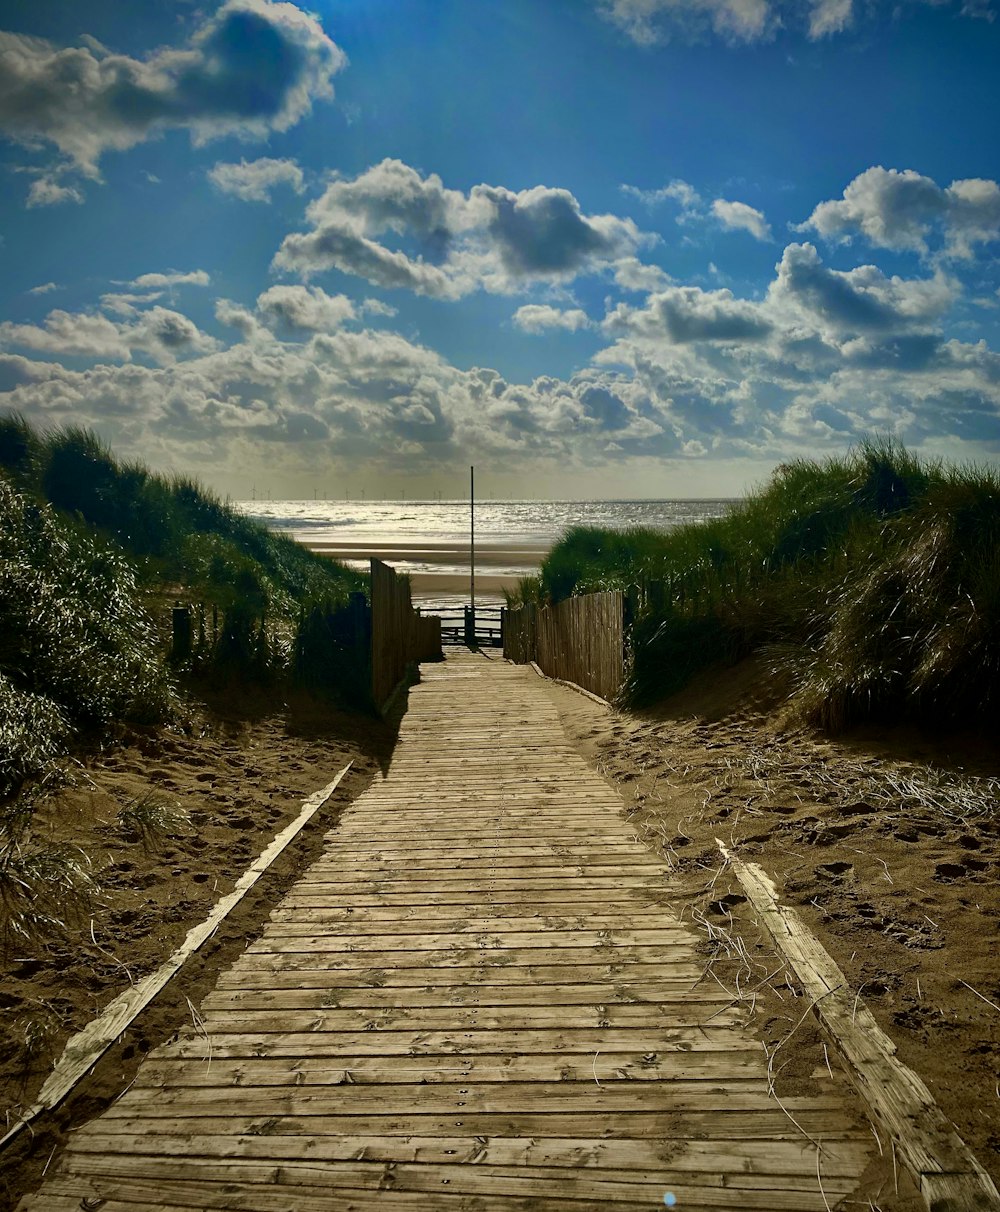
(84,1049)
(572,686)
(948,1175)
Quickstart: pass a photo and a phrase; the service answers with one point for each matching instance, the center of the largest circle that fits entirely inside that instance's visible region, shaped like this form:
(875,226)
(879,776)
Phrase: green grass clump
(90,548)
(76,648)
(174,529)
(150,820)
(874,580)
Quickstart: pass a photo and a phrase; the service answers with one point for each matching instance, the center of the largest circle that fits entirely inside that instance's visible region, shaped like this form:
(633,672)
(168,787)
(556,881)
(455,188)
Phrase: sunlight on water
(431,538)
(534,523)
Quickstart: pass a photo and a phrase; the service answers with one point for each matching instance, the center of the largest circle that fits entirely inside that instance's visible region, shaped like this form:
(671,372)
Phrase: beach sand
(444,567)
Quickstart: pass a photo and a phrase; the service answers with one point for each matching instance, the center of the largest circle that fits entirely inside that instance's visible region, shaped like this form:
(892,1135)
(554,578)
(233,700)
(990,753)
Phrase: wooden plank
(86,1047)
(163,1069)
(652,995)
(948,1175)
(690,1037)
(495,1097)
(271,1193)
(445,1018)
(816,1118)
(279,938)
(501,982)
(499,917)
(643,1188)
(561,893)
(794,1158)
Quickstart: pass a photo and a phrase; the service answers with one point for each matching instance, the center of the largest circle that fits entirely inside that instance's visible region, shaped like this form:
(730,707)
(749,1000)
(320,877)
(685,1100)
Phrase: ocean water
(433,536)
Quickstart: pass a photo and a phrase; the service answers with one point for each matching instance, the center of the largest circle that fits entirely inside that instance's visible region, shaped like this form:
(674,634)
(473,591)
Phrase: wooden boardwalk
(480,997)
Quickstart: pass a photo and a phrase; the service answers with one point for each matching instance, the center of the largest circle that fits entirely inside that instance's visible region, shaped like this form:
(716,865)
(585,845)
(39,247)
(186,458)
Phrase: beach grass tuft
(872,580)
(94,554)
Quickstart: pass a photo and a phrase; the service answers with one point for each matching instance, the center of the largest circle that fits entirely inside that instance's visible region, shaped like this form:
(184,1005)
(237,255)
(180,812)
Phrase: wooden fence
(581,640)
(400,636)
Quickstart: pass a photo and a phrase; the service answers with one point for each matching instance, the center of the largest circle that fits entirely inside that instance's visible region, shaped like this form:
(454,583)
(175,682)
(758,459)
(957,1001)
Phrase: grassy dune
(93,551)
(872,582)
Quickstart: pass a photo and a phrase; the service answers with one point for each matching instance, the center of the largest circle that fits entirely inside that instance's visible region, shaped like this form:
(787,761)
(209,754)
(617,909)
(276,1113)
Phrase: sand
(905,898)
(441,579)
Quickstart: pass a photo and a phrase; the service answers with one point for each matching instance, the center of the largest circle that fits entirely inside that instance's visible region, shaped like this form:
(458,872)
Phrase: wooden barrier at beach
(400,635)
(581,640)
(484,994)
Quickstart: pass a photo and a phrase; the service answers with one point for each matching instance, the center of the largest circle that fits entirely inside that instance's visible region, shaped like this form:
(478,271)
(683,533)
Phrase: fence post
(180,648)
(470,627)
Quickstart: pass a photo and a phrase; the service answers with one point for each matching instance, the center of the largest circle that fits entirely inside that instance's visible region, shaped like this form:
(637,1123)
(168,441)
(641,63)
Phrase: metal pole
(472,545)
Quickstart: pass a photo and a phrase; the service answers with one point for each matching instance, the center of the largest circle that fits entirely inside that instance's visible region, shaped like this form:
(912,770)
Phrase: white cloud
(648,22)
(830,17)
(163,281)
(253,67)
(681,192)
(304,308)
(735,216)
(375,307)
(44,289)
(738,216)
(254,180)
(46,191)
(632,274)
(683,314)
(454,243)
(536,318)
(162,334)
(906,211)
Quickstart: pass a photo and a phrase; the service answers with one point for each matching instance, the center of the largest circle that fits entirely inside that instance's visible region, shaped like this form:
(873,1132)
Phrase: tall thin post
(470,614)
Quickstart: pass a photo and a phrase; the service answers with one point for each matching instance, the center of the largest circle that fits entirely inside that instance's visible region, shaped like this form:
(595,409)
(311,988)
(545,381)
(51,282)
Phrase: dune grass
(93,552)
(872,580)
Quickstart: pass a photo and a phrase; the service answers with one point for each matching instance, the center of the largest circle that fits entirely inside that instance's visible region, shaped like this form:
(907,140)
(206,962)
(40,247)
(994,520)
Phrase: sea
(432,536)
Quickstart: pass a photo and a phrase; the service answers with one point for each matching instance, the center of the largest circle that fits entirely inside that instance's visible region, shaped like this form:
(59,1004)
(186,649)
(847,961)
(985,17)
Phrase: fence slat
(580,640)
(400,636)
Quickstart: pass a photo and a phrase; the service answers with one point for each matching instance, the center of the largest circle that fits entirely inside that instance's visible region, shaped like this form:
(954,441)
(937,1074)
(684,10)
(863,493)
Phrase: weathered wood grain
(479,997)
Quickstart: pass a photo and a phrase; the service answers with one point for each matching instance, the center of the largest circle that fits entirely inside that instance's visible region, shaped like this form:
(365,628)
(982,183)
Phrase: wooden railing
(481,629)
(580,640)
(400,636)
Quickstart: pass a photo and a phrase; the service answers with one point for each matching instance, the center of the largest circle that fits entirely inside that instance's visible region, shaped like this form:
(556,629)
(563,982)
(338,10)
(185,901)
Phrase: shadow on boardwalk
(480,996)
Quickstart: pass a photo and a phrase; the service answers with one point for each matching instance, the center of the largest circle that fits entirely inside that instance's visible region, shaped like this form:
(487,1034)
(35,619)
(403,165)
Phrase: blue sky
(595,247)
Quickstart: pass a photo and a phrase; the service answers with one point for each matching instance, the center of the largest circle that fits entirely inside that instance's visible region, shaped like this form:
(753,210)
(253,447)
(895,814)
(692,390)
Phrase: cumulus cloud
(44,289)
(162,334)
(738,216)
(632,274)
(304,308)
(684,314)
(453,242)
(254,180)
(536,318)
(253,67)
(908,211)
(857,301)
